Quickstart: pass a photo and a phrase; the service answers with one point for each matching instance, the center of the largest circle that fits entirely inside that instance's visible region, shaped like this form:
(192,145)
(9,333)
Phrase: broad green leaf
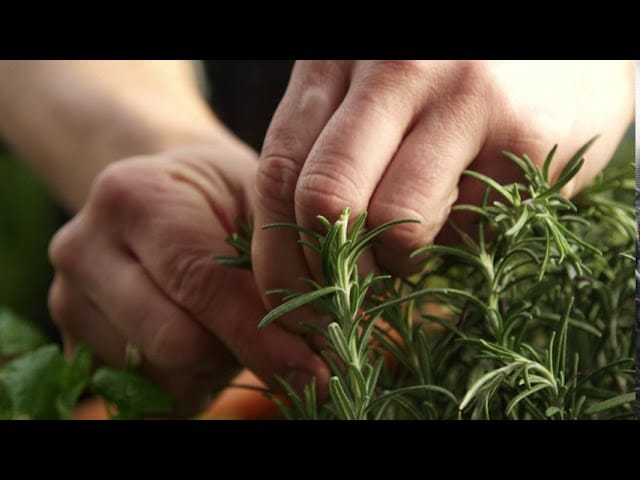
(133,395)
(35,381)
(17,335)
(77,378)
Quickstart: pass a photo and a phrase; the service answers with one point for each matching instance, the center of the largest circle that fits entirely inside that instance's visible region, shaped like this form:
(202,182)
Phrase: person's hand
(392,138)
(136,265)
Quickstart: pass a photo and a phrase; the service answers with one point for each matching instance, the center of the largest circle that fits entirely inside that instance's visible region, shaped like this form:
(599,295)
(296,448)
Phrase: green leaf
(413,389)
(571,169)
(489,378)
(34,383)
(133,395)
(293,226)
(517,226)
(617,401)
(340,399)
(365,239)
(521,396)
(294,303)
(338,341)
(17,335)
(76,380)
(241,262)
(490,182)
(457,252)
(357,226)
(297,403)
(427,291)
(551,411)
(547,163)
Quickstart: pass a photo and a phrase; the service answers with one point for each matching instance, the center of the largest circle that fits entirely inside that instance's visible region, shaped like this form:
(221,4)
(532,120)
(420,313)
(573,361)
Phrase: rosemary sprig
(536,323)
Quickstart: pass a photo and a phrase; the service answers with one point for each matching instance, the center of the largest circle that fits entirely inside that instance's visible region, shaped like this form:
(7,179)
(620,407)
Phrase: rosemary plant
(534,321)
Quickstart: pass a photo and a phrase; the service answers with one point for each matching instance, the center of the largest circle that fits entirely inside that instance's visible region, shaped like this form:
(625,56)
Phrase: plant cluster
(531,317)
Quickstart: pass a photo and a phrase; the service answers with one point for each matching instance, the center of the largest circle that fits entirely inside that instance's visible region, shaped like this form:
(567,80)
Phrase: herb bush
(532,318)
(535,323)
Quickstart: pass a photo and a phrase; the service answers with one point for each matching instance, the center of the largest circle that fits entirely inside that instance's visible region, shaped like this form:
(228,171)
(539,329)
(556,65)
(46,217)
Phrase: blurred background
(244,95)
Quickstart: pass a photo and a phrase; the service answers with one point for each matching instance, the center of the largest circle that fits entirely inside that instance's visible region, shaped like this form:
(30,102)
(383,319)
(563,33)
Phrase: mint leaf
(34,382)
(75,381)
(17,335)
(134,396)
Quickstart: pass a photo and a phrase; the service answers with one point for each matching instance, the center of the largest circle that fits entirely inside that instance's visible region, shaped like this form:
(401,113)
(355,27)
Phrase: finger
(120,288)
(489,162)
(178,258)
(314,93)
(422,182)
(82,322)
(352,152)
(169,337)
(226,302)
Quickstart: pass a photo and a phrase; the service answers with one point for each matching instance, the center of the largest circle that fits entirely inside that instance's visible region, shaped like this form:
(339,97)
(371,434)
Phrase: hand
(392,137)
(135,265)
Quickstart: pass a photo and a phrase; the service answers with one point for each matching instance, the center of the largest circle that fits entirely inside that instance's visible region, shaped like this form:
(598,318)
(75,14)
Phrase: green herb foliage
(38,383)
(531,318)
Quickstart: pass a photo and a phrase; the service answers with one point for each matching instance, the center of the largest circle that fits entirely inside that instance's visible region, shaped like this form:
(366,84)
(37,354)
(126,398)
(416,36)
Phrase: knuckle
(328,189)
(406,68)
(116,191)
(385,90)
(318,72)
(379,99)
(68,250)
(276,180)
(471,78)
(65,248)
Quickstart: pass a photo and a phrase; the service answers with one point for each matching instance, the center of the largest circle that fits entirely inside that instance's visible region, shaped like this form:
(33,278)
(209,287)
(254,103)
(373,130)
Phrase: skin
(392,138)
(156,181)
